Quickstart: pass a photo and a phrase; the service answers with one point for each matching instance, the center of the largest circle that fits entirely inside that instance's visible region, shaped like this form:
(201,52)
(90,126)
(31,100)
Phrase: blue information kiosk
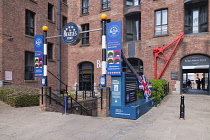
(124,101)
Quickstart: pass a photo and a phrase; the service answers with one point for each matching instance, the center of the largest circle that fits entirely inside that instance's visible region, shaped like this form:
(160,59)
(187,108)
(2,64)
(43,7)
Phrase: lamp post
(103,77)
(44,79)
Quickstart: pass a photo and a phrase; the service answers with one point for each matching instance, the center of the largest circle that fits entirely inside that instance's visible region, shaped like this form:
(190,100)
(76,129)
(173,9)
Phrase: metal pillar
(104,18)
(59,47)
(44,79)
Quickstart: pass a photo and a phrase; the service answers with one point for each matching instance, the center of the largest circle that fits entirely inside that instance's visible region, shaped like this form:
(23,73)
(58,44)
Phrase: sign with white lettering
(114,46)
(174,75)
(38,55)
(194,60)
(71,33)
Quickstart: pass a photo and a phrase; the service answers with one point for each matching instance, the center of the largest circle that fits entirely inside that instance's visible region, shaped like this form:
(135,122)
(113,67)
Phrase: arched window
(86,76)
(136,63)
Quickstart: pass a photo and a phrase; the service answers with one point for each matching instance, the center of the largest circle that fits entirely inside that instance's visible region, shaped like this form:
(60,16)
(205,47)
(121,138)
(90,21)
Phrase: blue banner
(114,45)
(38,56)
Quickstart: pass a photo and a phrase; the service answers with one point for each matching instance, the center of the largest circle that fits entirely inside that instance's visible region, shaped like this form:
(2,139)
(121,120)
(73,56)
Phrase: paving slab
(160,123)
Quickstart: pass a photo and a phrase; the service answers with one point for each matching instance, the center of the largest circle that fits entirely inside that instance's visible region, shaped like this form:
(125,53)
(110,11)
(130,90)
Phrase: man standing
(203,83)
(198,83)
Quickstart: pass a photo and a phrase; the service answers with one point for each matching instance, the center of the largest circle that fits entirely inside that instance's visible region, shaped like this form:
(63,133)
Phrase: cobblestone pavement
(160,123)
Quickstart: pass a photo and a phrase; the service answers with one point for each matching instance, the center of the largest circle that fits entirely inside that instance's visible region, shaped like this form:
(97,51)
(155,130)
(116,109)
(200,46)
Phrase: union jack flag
(145,86)
(147,89)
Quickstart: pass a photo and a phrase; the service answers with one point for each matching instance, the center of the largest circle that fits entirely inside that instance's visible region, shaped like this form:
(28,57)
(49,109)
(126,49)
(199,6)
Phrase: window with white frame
(161,22)
(130,3)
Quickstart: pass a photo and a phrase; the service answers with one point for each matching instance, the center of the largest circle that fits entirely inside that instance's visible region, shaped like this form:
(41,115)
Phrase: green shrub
(139,93)
(158,93)
(19,96)
(158,86)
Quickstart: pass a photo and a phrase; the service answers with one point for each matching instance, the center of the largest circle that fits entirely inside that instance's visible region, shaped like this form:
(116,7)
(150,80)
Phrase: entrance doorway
(195,74)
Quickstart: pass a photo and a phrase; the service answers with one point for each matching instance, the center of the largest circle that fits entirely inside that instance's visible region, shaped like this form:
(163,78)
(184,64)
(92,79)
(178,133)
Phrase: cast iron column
(44,80)
(104,18)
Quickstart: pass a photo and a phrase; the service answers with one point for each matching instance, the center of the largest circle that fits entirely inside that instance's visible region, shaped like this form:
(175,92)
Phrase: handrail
(57,78)
(66,91)
(130,67)
(86,110)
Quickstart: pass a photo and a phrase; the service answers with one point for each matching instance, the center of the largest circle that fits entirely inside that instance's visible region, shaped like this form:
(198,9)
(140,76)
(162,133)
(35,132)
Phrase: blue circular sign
(38,42)
(114,31)
(71,33)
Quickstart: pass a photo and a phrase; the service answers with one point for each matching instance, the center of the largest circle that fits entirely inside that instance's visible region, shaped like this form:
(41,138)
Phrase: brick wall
(12,23)
(13,52)
(191,44)
(53,103)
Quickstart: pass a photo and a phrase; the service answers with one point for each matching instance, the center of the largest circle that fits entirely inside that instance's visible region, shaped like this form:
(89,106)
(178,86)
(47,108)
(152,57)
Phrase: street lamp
(103,77)
(44,79)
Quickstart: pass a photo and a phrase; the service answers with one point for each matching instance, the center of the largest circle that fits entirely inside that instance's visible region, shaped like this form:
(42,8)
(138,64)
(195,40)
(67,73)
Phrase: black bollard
(182,108)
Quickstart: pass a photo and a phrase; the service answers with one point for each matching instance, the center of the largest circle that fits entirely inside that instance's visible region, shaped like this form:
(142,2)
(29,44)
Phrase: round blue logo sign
(71,33)
(114,31)
(38,42)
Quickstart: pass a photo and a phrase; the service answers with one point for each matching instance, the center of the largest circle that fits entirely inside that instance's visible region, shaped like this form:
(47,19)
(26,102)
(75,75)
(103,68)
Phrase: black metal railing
(52,96)
(74,98)
(159,95)
(79,108)
(166,89)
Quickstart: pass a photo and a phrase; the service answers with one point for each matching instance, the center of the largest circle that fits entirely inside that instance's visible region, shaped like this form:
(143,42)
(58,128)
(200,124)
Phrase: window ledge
(30,81)
(84,45)
(197,33)
(132,41)
(51,60)
(51,21)
(132,6)
(160,35)
(84,14)
(108,9)
(29,36)
(34,1)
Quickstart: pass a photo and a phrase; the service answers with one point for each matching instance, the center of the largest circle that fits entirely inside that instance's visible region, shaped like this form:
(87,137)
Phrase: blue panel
(133,110)
(38,56)
(114,45)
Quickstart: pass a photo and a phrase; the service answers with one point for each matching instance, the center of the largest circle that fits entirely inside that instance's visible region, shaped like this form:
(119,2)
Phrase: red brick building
(147,24)
(20,21)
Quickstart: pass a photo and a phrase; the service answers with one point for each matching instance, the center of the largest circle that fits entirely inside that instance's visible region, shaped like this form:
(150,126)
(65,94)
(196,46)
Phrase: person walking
(189,83)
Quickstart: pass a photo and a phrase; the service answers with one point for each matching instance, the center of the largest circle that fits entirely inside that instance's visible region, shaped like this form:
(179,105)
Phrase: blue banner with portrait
(114,45)
(38,55)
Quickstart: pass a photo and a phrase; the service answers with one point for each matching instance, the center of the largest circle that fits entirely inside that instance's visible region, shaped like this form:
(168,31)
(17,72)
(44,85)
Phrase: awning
(187,1)
(132,12)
